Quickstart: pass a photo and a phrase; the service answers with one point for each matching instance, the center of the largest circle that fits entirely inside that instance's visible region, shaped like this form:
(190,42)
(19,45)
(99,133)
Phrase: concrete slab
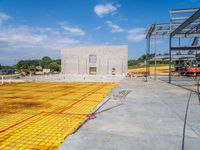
(74,78)
(151,117)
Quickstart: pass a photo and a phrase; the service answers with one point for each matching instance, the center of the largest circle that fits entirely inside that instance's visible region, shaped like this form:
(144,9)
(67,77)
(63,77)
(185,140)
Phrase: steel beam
(174,11)
(195,27)
(165,32)
(180,35)
(179,18)
(187,22)
(150,31)
(174,56)
(168,30)
(174,24)
(185,48)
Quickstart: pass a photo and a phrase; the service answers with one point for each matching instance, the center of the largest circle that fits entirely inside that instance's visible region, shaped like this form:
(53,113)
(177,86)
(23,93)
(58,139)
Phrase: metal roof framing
(184,23)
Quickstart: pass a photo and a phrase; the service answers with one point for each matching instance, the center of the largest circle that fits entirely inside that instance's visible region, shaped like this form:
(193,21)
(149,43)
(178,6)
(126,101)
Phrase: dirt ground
(160,70)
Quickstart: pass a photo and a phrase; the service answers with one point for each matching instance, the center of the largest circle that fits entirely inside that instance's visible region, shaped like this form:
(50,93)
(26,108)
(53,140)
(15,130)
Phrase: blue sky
(31,29)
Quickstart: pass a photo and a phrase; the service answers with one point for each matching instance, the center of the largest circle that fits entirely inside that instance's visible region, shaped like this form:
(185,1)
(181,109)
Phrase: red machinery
(189,67)
(193,69)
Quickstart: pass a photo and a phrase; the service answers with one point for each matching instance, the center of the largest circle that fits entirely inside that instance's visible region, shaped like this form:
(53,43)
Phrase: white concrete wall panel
(75,60)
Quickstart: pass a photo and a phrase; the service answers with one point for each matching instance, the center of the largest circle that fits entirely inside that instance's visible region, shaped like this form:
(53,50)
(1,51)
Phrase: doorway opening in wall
(113,71)
(93,70)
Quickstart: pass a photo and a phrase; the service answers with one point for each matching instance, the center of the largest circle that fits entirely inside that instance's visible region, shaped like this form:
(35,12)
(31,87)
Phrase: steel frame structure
(184,23)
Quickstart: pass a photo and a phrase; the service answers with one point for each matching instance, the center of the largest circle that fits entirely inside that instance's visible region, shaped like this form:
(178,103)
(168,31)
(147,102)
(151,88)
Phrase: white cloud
(104,9)
(19,34)
(72,30)
(136,34)
(68,41)
(114,28)
(24,37)
(26,42)
(4,17)
(98,28)
(46,29)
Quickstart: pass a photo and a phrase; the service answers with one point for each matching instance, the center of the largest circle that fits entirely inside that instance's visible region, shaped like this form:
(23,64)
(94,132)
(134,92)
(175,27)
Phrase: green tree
(32,67)
(27,65)
(22,65)
(45,62)
(54,66)
(58,61)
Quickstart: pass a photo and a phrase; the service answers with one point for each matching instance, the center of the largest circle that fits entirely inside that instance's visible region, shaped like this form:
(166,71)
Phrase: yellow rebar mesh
(40,115)
(42,131)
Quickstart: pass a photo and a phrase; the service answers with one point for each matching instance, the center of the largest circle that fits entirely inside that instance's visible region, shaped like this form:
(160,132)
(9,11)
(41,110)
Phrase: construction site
(96,102)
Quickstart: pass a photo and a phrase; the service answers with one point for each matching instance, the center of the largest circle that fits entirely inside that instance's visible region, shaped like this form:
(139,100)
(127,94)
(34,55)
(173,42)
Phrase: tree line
(139,62)
(38,64)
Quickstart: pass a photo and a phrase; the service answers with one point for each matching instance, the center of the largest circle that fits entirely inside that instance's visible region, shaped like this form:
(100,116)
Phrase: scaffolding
(183,24)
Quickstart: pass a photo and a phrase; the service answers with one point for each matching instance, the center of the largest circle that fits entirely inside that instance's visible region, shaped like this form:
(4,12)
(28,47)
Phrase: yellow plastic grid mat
(40,115)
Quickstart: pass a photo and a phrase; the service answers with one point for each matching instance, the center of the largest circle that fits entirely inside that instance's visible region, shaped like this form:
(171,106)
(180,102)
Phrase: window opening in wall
(92,59)
(93,70)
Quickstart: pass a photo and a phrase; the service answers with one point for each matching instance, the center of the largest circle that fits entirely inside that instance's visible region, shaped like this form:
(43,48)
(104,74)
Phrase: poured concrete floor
(150,118)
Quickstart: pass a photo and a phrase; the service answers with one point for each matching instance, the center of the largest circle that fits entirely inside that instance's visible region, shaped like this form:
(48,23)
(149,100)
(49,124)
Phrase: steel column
(170,58)
(147,39)
(155,64)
